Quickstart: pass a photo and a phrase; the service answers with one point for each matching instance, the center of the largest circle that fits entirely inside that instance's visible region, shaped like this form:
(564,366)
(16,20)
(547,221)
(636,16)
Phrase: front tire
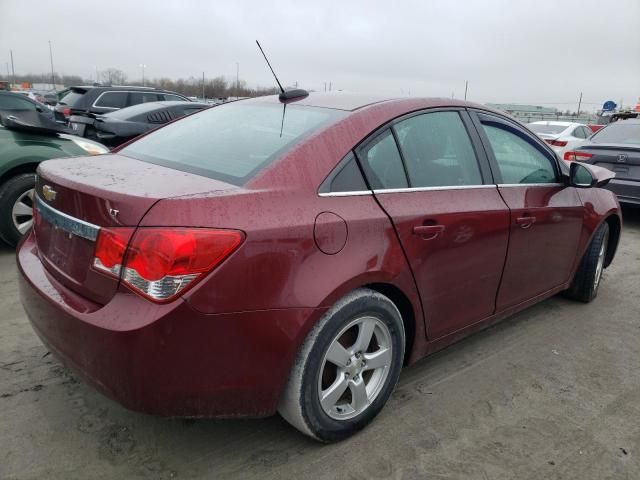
(584,287)
(346,368)
(16,207)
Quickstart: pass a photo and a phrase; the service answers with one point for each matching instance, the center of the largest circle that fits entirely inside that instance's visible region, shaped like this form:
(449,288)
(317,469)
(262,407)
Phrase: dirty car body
(326,203)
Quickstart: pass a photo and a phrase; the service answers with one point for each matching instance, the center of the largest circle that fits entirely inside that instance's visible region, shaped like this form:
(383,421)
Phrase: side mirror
(39,108)
(580,176)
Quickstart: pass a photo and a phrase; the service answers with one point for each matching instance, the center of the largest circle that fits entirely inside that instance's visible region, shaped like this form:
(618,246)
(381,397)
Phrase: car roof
(352,102)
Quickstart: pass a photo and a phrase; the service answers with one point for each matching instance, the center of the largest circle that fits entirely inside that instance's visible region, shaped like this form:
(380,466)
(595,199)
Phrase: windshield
(619,132)
(231,142)
(548,129)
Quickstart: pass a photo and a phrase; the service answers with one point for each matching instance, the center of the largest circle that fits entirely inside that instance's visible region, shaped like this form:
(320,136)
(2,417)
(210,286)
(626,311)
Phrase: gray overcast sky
(526,51)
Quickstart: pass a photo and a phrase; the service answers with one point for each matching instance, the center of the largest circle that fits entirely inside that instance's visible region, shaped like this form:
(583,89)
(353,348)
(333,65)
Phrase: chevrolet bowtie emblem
(49,193)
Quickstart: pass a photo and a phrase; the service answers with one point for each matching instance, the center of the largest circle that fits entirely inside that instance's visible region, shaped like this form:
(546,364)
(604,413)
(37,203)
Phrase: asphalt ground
(551,393)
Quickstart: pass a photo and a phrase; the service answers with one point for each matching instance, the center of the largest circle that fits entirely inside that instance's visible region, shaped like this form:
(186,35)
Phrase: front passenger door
(546,215)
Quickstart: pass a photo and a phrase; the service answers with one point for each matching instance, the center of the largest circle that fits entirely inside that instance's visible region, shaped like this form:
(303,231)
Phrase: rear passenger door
(450,219)
(546,215)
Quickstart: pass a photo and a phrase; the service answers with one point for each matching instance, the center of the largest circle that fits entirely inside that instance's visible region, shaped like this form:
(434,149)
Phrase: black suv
(100,99)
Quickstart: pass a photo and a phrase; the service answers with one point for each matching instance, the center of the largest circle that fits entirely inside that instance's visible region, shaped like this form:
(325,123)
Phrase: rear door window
(382,163)
(136,98)
(172,98)
(112,100)
(437,151)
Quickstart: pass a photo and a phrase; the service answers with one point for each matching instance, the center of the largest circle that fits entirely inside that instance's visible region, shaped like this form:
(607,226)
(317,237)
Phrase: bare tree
(113,76)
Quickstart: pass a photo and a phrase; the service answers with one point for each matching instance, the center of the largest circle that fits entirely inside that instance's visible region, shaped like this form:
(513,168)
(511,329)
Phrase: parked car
(28,109)
(80,100)
(33,95)
(51,98)
(561,136)
(617,148)
(24,143)
(293,255)
(115,128)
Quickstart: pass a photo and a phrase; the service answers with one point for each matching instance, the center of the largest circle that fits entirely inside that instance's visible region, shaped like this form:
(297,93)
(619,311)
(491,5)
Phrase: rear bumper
(627,191)
(165,359)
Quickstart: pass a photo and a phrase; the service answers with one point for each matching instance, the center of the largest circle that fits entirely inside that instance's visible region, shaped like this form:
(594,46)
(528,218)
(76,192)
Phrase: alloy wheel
(355,368)
(22,211)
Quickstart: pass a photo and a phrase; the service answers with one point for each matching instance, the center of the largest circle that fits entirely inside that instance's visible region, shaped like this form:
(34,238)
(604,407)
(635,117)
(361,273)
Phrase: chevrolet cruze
(291,255)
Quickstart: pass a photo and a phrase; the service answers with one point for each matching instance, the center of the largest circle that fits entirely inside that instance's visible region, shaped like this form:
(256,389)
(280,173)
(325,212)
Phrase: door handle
(525,222)
(428,232)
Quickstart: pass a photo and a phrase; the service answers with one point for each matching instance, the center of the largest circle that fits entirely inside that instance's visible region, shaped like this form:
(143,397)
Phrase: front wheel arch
(615,230)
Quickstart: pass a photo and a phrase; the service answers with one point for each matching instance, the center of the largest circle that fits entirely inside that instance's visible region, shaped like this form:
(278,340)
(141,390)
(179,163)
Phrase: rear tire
(347,367)
(584,287)
(16,202)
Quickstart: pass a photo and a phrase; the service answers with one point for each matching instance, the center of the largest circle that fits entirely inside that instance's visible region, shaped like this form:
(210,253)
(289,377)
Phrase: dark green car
(21,150)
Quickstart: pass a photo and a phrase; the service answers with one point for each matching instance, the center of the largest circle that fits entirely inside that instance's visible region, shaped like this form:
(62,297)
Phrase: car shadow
(631,216)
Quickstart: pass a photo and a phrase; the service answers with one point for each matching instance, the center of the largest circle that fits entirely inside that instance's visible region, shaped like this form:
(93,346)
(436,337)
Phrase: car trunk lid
(78,197)
(624,159)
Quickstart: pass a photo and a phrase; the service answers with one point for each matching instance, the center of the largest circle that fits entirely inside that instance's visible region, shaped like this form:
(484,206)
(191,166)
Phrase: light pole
(53,78)
(237,79)
(143,66)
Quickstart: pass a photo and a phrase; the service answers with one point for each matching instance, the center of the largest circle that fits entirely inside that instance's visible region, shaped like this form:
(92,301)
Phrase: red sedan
(292,256)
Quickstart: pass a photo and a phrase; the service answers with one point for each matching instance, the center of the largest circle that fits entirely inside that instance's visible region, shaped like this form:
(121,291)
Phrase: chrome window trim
(509,185)
(66,222)
(434,189)
(430,189)
(346,194)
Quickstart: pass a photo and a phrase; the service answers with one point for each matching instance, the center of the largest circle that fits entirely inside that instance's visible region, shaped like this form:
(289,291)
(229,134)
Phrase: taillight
(110,248)
(577,156)
(66,112)
(161,263)
(557,143)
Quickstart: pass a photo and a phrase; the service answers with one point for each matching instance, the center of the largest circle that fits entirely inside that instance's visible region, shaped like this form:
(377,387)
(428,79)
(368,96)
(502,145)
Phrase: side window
(587,132)
(349,178)
(172,98)
(136,98)
(112,100)
(16,104)
(437,151)
(382,163)
(519,161)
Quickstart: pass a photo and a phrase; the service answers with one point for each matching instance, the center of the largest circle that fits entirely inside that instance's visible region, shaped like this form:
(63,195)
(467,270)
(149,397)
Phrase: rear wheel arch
(615,230)
(404,305)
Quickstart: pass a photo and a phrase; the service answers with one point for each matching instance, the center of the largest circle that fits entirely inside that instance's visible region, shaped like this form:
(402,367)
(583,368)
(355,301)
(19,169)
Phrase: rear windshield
(231,142)
(72,97)
(549,129)
(619,132)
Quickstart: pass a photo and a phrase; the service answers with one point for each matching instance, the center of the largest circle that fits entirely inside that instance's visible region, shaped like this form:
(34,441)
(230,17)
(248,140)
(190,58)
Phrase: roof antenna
(284,94)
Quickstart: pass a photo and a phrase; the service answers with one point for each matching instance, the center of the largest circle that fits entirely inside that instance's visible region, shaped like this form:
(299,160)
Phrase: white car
(561,136)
